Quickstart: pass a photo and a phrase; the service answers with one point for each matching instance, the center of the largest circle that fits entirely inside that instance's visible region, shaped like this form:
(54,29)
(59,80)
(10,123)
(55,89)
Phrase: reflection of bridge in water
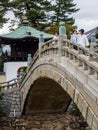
(57,74)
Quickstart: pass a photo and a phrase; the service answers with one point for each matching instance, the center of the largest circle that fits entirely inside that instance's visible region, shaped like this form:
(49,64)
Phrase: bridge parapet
(83,60)
(9,85)
(81,55)
(89,61)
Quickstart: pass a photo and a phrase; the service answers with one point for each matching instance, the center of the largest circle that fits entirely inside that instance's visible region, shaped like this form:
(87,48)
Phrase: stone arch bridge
(57,74)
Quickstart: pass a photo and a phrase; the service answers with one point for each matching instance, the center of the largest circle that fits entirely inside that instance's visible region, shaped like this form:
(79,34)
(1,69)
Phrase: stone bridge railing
(61,47)
(67,49)
(81,56)
(9,85)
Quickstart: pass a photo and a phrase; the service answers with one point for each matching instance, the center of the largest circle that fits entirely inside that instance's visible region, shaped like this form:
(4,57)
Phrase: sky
(86,17)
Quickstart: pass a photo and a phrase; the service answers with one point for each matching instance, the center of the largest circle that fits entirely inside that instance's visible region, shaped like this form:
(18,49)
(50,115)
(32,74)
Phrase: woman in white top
(82,39)
(55,38)
(74,37)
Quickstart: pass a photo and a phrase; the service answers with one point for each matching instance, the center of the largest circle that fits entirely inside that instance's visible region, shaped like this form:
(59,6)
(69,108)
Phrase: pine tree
(35,10)
(3,10)
(39,12)
(62,11)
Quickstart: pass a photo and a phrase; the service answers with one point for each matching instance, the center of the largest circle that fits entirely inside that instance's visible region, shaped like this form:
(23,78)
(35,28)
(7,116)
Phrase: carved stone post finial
(29,59)
(62,35)
(41,40)
(62,29)
(93,38)
(93,43)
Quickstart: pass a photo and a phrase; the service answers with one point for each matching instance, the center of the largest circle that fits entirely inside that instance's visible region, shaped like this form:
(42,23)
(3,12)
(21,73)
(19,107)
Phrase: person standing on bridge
(74,37)
(82,39)
(56,38)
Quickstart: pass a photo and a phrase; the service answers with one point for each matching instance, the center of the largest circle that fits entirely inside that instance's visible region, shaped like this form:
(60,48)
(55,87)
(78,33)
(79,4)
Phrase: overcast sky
(86,17)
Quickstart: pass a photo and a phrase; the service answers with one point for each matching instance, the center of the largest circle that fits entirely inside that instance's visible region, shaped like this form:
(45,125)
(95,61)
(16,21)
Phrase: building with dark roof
(22,41)
(16,46)
(92,32)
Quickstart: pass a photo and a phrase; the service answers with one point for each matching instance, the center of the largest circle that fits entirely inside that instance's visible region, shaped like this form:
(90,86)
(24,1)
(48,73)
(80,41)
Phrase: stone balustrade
(81,55)
(10,85)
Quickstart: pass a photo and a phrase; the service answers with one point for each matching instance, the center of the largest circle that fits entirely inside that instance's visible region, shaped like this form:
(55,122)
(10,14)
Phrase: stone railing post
(62,35)
(29,58)
(93,43)
(41,41)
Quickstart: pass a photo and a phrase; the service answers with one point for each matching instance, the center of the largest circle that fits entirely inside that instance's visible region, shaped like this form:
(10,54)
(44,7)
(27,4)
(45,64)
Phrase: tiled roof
(91,32)
(26,31)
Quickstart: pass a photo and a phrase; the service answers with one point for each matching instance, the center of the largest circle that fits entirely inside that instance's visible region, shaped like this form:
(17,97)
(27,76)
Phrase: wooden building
(15,47)
(18,44)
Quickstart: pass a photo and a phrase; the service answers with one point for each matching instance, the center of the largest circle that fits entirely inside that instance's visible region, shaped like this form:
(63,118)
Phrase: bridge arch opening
(46,96)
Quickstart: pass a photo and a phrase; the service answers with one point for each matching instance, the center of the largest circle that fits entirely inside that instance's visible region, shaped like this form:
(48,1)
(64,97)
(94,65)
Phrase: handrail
(44,50)
(9,85)
(82,50)
(45,47)
(8,82)
(35,57)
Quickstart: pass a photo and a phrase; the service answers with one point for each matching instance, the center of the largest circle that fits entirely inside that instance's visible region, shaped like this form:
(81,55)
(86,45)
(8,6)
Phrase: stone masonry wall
(10,103)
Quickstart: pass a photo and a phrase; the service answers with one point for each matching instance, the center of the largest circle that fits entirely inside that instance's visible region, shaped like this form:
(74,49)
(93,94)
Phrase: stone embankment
(45,122)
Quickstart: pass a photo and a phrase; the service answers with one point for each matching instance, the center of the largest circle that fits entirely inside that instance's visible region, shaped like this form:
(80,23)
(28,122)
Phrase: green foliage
(62,11)
(52,29)
(39,12)
(74,110)
(3,10)
(69,29)
(55,28)
(35,10)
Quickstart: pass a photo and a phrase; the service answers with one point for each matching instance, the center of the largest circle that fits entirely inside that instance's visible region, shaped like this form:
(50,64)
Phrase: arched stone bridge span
(57,75)
(70,76)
